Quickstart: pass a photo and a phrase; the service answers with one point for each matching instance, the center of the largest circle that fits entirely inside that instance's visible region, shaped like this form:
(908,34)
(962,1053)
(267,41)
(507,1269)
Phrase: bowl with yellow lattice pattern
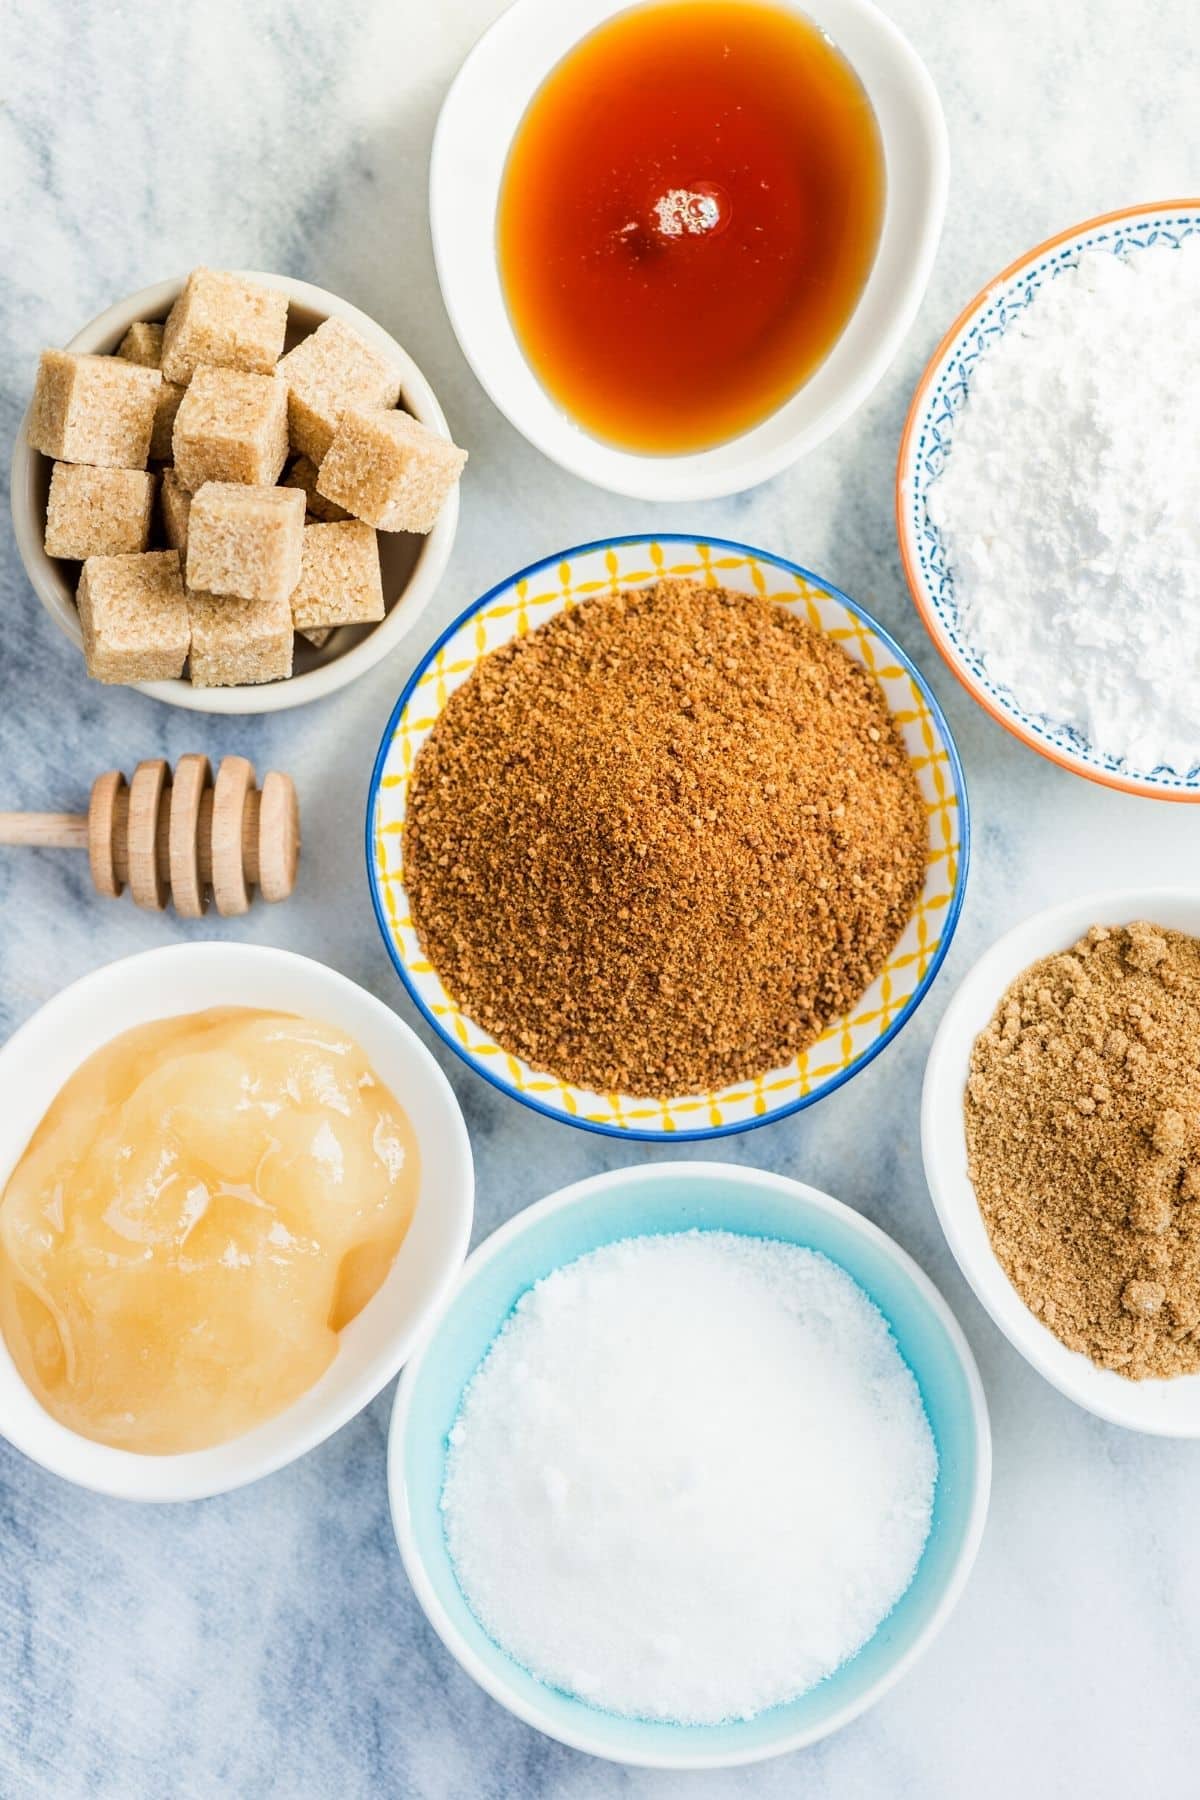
(568,580)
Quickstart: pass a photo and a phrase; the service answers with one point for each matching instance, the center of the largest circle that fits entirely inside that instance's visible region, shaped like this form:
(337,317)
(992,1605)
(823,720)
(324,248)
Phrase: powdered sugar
(1070,505)
(691,1476)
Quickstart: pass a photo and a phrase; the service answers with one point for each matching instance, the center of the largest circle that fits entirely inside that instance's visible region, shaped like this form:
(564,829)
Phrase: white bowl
(44,1053)
(412,566)
(1167,1408)
(478,119)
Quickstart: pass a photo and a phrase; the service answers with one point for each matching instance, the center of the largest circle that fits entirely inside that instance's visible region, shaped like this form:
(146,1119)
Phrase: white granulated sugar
(1070,505)
(691,1476)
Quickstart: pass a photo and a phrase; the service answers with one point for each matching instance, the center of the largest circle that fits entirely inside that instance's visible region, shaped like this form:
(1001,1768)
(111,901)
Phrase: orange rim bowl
(926,441)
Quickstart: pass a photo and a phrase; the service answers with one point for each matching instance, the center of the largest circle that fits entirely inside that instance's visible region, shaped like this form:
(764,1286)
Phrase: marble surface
(267,1643)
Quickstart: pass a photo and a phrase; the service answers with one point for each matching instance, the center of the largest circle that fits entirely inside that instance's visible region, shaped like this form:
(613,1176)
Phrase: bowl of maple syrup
(680,241)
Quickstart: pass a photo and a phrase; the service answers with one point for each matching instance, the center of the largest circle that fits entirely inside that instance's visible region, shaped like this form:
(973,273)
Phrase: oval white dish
(49,1047)
(478,119)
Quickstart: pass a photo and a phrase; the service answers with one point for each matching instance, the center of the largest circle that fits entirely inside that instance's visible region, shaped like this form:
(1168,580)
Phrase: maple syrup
(688,216)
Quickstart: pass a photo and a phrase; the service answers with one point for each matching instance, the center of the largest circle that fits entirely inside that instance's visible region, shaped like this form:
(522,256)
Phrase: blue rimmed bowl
(527,600)
(680,1197)
(928,441)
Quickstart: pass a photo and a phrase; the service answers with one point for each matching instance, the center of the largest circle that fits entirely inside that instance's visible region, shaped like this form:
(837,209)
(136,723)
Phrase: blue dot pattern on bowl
(933,442)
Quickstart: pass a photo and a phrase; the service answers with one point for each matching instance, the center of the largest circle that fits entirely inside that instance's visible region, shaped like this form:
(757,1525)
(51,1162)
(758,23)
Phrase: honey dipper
(179,838)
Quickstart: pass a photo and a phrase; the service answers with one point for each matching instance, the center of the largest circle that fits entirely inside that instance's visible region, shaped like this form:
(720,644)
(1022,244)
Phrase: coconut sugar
(691,1477)
(660,843)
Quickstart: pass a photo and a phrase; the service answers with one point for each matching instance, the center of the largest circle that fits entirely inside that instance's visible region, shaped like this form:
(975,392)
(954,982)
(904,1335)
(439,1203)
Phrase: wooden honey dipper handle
(179,839)
(44,831)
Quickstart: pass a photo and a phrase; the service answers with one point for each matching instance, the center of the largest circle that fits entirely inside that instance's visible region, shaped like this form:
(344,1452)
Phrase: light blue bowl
(678,1197)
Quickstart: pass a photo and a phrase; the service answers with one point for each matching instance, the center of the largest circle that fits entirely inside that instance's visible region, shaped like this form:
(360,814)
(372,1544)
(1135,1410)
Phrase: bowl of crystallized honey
(53,1276)
(681,241)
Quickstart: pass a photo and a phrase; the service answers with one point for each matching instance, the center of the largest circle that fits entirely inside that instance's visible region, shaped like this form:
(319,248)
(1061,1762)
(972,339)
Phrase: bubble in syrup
(702,210)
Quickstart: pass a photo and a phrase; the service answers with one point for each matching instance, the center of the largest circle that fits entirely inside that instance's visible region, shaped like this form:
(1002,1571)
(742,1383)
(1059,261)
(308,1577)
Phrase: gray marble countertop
(268,1643)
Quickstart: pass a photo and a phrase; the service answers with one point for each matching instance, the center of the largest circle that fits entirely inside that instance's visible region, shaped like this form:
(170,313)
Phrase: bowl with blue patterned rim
(527,600)
(928,441)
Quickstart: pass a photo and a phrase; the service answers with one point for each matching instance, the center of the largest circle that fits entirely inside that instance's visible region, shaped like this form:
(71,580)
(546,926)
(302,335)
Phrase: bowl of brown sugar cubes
(234,492)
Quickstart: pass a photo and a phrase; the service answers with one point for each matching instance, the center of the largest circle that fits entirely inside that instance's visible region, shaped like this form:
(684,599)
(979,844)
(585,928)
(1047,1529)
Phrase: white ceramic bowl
(666,1197)
(42,1055)
(1167,1408)
(411,566)
(478,119)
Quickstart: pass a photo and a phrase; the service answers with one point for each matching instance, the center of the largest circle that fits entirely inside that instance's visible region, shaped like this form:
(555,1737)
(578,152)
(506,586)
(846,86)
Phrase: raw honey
(208,1201)
(688,216)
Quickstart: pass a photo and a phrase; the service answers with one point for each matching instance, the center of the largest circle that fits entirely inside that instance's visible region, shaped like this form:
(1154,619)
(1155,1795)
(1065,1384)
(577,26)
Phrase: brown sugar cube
(231,427)
(142,344)
(93,409)
(326,373)
(318,639)
(226,322)
(98,512)
(174,505)
(390,470)
(170,395)
(339,583)
(303,474)
(134,617)
(237,642)
(245,541)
